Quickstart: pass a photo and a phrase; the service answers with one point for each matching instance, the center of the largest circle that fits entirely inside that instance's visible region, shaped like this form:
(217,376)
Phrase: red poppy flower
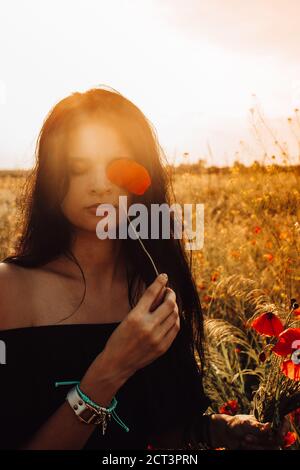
(129,174)
(289,439)
(207,298)
(268,324)
(257,229)
(201,286)
(229,408)
(291,370)
(288,342)
(214,276)
(296,312)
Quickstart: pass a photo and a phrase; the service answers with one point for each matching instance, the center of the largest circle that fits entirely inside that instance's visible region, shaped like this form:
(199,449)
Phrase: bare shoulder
(10,275)
(14,294)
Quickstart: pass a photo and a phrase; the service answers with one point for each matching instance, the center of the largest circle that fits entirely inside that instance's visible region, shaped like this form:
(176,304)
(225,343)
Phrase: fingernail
(163,276)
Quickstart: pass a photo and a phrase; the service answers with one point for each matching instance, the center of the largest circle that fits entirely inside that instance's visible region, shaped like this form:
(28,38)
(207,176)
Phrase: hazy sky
(191,66)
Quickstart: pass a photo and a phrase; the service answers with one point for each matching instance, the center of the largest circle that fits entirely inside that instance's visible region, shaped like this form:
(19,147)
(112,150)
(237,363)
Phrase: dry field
(249,266)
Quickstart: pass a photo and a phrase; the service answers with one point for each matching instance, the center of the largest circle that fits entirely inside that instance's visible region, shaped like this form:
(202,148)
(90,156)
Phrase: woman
(121,332)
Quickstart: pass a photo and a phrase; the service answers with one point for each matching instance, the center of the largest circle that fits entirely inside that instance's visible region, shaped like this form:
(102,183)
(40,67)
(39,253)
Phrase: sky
(195,68)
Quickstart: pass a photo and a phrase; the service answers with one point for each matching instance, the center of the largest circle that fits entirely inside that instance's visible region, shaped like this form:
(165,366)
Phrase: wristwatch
(84,411)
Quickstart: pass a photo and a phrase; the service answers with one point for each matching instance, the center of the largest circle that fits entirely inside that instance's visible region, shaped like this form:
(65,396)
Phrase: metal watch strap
(84,411)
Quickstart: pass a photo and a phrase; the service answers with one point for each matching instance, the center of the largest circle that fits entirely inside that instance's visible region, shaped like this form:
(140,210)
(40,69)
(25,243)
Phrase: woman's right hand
(144,335)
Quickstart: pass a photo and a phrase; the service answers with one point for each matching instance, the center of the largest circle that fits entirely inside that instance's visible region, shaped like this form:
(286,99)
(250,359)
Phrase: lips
(94,206)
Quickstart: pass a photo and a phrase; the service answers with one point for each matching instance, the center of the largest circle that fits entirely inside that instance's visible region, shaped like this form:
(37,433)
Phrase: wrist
(117,371)
(102,381)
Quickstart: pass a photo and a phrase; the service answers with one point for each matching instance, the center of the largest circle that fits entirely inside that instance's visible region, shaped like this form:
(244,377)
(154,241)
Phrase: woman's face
(89,146)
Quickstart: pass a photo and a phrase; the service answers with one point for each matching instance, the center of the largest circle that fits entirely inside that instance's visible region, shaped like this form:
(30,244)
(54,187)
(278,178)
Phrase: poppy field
(248,279)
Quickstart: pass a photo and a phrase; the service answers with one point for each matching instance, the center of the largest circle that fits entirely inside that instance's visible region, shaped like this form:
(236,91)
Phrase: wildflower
(283,235)
(214,276)
(257,229)
(288,342)
(268,324)
(201,286)
(129,175)
(235,254)
(207,298)
(229,408)
(269,257)
(291,370)
(289,439)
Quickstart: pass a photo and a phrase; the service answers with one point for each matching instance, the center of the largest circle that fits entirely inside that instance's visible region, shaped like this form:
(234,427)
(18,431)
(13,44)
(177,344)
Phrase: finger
(252,426)
(159,299)
(152,291)
(171,334)
(166,308)
(170,322)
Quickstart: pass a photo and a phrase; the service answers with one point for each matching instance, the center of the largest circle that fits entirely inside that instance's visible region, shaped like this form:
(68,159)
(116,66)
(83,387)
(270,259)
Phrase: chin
(92,225)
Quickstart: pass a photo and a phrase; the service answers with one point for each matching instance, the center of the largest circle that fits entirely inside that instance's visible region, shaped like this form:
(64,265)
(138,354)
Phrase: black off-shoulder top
(37,357)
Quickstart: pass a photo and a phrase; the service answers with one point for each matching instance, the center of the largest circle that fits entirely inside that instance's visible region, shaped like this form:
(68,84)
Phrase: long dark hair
(46,233)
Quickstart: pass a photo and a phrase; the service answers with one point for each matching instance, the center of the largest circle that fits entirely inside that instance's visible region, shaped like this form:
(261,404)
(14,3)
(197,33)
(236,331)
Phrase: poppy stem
(288,318)
(142,244)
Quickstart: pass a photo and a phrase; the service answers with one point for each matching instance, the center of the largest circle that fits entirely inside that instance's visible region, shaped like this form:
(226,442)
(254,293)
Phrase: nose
(99,183)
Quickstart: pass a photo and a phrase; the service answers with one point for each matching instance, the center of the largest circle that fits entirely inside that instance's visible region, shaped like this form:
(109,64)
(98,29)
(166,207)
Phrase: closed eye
(78,165)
